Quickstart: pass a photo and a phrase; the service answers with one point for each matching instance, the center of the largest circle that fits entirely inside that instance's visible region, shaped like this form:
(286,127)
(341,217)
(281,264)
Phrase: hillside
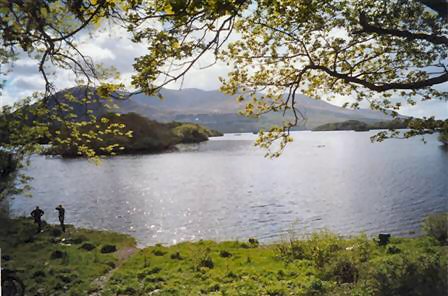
(218,111)
(148,136)
(357,125)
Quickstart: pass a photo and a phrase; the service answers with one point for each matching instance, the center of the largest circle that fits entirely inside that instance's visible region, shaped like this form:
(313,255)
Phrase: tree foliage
(387,53)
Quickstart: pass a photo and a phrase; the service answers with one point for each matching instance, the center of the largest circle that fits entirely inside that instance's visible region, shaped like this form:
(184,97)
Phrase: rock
(58,254)
(87,246)
(383,239)
(108,249)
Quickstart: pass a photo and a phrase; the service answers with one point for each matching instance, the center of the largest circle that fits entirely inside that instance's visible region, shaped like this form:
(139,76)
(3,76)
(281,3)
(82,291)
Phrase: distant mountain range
(219,111)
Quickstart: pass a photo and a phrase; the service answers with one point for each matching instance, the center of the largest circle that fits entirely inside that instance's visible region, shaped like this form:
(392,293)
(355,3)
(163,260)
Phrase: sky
(113,47)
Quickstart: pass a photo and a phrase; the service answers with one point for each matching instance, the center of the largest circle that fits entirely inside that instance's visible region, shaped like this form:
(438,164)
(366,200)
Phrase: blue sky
(113,48)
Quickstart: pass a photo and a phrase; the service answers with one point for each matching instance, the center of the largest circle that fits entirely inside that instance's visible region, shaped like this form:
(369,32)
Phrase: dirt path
(122,255)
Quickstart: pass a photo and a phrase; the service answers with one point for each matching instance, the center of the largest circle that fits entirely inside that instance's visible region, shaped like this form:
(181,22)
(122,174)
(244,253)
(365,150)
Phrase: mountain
(219,111)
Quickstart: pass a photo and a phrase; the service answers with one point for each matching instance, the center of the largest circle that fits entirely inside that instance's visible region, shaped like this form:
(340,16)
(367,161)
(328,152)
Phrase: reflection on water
(226,189)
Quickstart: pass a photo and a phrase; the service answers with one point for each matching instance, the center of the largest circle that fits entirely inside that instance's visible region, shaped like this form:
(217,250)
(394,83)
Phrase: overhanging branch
(383,86)
(369,28)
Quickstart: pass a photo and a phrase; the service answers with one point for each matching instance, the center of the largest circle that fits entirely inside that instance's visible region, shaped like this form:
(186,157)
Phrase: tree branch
(384,86)
(369,28)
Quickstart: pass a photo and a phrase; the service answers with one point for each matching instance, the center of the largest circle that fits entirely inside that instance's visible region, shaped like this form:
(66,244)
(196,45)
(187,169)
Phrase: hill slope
(218,111)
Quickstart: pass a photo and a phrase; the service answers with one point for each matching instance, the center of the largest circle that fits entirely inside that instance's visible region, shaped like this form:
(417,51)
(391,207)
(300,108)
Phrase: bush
(176,256)
(253,242)
(393,250)
(344,270)
(292,250)
(204,260)
(402,274)
(436,226)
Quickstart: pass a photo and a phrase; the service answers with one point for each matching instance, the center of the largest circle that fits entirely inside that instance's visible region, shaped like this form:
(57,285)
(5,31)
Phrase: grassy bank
(52,263)
(321,264)
(324,264)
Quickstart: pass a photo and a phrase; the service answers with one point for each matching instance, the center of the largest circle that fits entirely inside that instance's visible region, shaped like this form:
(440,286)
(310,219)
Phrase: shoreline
(107,263)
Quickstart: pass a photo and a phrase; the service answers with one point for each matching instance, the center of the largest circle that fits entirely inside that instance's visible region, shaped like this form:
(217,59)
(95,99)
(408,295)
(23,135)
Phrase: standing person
(61,214)
(37,214)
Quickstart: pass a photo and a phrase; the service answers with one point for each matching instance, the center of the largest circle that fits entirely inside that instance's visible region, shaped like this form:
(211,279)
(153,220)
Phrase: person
(61,214)
(37,215)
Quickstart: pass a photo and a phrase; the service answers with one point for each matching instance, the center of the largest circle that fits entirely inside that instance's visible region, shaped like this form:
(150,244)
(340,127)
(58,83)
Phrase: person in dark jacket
(61,215)
(37,214)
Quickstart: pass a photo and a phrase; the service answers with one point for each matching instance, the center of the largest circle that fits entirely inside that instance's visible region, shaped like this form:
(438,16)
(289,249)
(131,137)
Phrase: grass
(323,264)
(53,264)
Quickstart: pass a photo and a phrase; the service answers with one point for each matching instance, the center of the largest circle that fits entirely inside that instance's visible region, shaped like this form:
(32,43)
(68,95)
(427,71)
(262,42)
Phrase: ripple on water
(226,189)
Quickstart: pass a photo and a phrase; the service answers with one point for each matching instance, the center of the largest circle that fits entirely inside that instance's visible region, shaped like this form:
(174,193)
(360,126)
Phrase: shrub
(292,250)
(406,274)
(436,226)
(176,256)
(393,250)
(344,270)
(253,242)
(204,260)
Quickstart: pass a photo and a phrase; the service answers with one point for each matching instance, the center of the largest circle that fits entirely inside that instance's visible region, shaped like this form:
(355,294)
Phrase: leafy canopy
(387,53)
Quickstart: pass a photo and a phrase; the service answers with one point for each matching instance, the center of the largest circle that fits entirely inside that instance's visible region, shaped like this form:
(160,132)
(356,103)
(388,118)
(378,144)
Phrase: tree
(47,31)
(388,53)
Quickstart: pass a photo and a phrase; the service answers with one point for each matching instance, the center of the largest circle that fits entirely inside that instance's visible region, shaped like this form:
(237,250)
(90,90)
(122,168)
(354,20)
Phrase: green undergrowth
(322,264)
(53,263)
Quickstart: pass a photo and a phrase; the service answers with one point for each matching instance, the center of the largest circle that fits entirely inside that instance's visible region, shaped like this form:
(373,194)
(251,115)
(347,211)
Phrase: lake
(225,189)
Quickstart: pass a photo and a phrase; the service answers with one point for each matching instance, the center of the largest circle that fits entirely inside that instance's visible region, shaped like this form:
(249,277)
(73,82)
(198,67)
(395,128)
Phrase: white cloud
(112,47)
(96,52)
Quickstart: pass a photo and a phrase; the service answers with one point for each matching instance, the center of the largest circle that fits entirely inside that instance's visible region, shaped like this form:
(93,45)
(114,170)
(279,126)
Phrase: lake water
(225,189)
